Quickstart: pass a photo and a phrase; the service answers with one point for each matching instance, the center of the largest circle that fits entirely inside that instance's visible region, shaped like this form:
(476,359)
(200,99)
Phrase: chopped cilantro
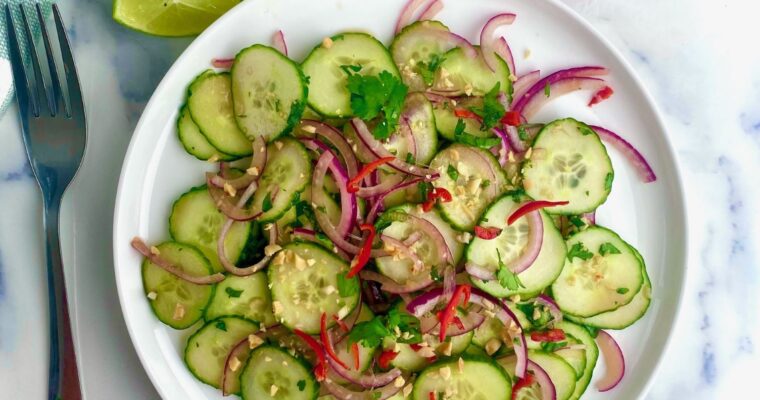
(371,333)
(376,395)
(427,70)
(608,181)
(608,248)
(387,218)
(471,140)
(551,347)
(232,292)
(452,172)
(547,89)
(506,277)
(576,221)
(486,183)
(221,326)
(347,286)
(410,158)
(423,188)
(435,275)
(522,132)
(377,96)
(266,205)
(585,130)
(516,194)
(301,385)
(622,290)
(592,330)
(348,69)
(579,251)
(492,110)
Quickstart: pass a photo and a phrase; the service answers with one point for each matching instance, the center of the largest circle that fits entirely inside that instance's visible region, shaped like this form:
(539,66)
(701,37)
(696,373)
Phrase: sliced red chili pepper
(387,356)
(364,254)
(355,353)
(464,113)
(435,194)
(511,118)
(431,395)
(458,322)
(449,313)
(532,206)
(320,370)
(487,233)
(552,335)
(328,347)
(603,94)
(523,382)
(415,346)
(353,183)
(341,324)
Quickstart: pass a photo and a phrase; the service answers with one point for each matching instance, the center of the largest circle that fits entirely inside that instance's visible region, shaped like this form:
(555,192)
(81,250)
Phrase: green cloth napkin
(6,79)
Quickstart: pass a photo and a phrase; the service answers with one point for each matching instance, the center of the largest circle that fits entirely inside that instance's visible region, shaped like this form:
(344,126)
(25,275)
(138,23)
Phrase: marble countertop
(697,57)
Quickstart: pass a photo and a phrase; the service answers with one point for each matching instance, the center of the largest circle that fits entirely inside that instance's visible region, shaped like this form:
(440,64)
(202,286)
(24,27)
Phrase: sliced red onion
(343,393)
(428,322)
(335,138)
(383,187)
(431,10)
(278,42)
(225,63)
(434,234)
(505,145)
(613,359)
(377,206)
(590,217)
(407,14)
(356,377)
(379,151)
(424,303)
(403,249)
(502,49)
(139,245)
(550,304)
(640,163)
(228,265)
(508,319)
(453,40)
(548,390)
(224,204)
(449,283)
(238,350)
(485,165)
(479,272)
(560,83)
(391,286)
(436,98)
(523,83)
(254,171)
(514,139)
(488,43)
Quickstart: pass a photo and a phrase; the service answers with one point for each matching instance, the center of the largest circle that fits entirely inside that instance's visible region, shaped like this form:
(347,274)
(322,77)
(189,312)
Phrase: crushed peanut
(255,341)
(270,249)
(229,189)
(327,42)
(252,171)
(152,295)
(179,312)
(154,250)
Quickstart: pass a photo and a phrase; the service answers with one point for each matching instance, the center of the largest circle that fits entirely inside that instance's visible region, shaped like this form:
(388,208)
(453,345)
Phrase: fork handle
(63,378)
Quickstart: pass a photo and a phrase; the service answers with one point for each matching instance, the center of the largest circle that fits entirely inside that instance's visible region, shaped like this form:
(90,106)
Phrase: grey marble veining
(699,59)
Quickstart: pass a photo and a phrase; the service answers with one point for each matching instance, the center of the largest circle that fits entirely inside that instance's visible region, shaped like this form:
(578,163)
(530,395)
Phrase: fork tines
(41,90)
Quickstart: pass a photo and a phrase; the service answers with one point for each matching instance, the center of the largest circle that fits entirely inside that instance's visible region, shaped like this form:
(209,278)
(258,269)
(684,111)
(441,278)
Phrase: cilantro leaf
(579,251)
(423,189)
(608,248)
(232,292)
(387,218)
(492,110)
(577,221)
(369,333)
(266,205)
(506,277)
(452,172)
(221,326)
(301,385)
(409,158)
(427,70)
(376,96)
(471,140)
(347,286)
(522,132)
(486,183)
(622,290)
(551,347)
(406,323)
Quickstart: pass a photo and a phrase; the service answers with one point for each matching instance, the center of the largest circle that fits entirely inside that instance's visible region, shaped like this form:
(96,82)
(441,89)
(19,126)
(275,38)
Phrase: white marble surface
(698,57)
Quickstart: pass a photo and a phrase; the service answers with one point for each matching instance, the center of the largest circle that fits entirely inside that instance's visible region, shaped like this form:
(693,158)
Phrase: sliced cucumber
(591,354)
(569,163)
(402,270)
(194,142)
(269,92)
(446,121)
(414,48)
(560,372)
(176,302)
(272,373)
(419,112)
(475,379)
(474,180)
(286,174)
(366,354)
(196,221)
(242,296)
(628,314)
(207,349)
(600,283)
(576,357)
(471,76)
(509,244)
(410,360)
(302,292)
(209,99)
(327,81)
(493,327)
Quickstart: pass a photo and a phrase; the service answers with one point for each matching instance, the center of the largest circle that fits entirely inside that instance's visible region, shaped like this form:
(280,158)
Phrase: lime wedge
(170,17)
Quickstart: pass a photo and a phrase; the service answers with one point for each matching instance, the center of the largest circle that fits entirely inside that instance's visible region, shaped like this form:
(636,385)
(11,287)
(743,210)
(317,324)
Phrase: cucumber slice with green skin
(545,269)
(207,349)
(575,357)
(413,49)
(345,354)
(601,283)
(286,174)
(409,360)
(591,355)
(479,378)
(446,121)
(269,92)
(560,372)
(401,269)
(327,81)
(626,315)
(471,76)
(569,163)
(209,99)
(173,294)
(467,173)
(196,221)
(492,327)
(242,296)
(194,142)
(419,111)
(272,373)
(302,292)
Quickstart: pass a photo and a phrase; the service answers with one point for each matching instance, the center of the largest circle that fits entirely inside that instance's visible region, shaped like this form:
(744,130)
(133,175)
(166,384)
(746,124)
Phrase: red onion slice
(560,82)
(391,286)
(403,249)
(431,10)
(548,390)
(488,42)
(377,206)
(470,322)
(238,350)
(508,318)
(549,303)
(453,40)
(254,171)
(523,83)
(407,14)
(278,42)
(590,217)
(229,209)
(614,360)
(343,393)
(385,186)
(502,49)
(225,63)
(228,265)
(379,151)
(335,138)
(139,245)
(449,283)
(640,163)
(514,139)
(506,147)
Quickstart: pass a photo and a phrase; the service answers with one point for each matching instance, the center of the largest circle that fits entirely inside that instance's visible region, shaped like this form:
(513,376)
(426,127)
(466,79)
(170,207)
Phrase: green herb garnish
(376,96)
(492,110)
(608,248)
(232,292)
(579,251)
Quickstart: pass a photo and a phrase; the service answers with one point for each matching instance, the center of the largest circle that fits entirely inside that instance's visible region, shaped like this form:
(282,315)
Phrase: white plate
(650,216)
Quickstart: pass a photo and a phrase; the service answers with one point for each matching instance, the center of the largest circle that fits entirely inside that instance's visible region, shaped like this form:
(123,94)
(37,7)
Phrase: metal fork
(54,133)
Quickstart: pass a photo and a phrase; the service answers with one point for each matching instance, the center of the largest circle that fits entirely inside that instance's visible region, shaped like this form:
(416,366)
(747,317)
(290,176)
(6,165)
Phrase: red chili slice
(320,370)
(437,193)
(386,357)
(552,335)
(449,313)
(353,183)
(464,113)
(511,118)
(487,233)
(431,395)
(523,382)
(533,206)
(328,347)
(603,94)
(355,353)
(341,324)
(364,254)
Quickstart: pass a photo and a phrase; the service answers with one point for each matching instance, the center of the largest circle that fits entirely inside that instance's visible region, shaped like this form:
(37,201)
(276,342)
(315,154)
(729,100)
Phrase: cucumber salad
(391,221)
